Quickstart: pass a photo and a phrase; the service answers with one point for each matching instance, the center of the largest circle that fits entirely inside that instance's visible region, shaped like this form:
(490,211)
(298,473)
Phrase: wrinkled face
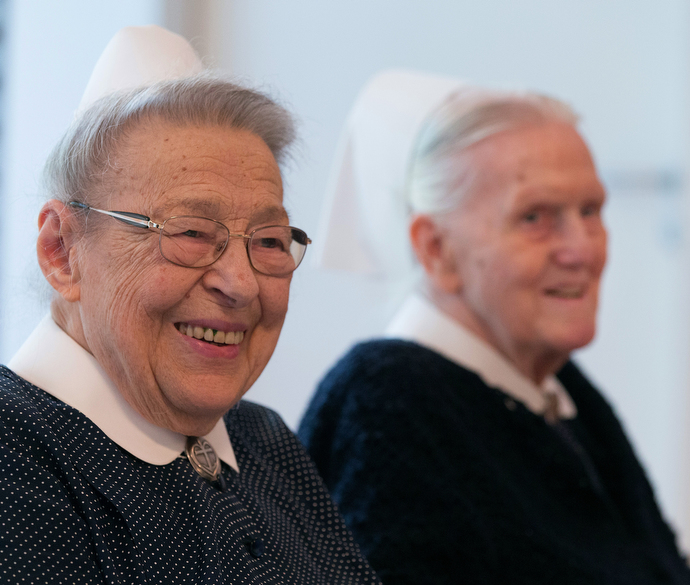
(135,307)
(529,242)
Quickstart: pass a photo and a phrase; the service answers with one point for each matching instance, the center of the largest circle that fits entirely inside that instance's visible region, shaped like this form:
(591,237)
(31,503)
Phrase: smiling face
(137,312)
(528,244)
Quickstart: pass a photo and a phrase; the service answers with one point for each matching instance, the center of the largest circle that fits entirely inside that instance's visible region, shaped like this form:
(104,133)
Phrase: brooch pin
(203,458)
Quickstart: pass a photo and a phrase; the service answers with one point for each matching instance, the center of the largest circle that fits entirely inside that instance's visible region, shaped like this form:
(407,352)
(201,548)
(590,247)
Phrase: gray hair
(465,118)
(80,162)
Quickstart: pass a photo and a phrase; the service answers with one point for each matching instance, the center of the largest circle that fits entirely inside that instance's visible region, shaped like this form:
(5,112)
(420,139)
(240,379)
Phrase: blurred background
(622,64)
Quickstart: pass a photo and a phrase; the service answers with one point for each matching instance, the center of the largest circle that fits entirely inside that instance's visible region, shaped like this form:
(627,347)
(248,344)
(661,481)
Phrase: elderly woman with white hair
(465,447)
(127,454)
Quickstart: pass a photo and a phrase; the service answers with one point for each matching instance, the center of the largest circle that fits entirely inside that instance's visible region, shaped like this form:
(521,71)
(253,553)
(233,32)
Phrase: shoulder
(40,433)
(26,412)
(21,417)
(592,407)
(41,436)
(388,397)
(258,425)
(259,434)
(370,370)
(383,357)
(388,379)
(15,392)
(38,478)
(256,417)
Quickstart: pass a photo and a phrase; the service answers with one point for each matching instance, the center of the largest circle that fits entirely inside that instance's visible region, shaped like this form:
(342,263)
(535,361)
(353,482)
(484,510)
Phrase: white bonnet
(137,56)
(364,222)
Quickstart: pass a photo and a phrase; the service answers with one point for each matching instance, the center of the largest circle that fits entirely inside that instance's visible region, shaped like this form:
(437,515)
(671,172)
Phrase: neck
(534,363)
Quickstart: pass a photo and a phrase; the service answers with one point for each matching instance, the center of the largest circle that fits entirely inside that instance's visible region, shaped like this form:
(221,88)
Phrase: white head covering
(140,55)
(364,224)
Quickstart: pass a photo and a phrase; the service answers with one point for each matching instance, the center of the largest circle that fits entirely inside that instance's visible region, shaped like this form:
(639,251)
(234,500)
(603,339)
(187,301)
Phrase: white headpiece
(364,223)
(140,55)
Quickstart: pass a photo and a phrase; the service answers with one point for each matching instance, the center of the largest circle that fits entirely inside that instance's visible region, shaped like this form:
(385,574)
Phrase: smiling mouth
(213,336)
(567,292)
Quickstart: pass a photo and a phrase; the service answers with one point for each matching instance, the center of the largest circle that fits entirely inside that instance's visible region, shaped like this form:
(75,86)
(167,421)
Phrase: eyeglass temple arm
(134,219)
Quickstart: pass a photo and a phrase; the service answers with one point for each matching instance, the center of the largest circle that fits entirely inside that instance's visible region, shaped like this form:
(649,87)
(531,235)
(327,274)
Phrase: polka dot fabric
(75,508)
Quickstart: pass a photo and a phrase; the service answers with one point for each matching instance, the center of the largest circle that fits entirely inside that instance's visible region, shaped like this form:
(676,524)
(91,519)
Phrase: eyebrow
(534,195)
(205,207)
(212,209)
(272,213)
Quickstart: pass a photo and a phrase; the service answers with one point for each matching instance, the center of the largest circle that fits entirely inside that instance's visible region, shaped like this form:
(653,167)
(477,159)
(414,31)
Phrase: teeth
(233,337)
(212,335)
(568,293)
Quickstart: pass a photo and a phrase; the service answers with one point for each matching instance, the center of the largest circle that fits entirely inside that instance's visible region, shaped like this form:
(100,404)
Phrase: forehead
(548,161)
(217,172)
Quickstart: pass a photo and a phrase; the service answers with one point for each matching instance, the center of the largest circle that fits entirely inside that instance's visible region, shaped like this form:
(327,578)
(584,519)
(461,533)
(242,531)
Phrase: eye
(275,243)
(537,216)
(532,217)
(590,210)
(191,234)
(539,220)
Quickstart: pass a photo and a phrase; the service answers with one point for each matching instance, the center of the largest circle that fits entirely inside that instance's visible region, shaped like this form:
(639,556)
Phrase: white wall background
(52,48)
(622,63)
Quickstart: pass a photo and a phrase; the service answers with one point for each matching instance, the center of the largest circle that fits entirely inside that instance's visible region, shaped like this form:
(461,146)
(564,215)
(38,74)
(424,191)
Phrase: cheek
(274,296)
(274,302)
(507,272)
(125,285)
(601,254)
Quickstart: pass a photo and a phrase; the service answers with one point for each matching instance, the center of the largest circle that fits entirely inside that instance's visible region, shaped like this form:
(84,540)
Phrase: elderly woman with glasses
(127,453)
(465,447)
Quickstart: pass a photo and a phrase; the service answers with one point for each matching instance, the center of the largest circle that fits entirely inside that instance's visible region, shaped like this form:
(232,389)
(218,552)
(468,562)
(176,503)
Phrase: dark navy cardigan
(75,508)
(444,480)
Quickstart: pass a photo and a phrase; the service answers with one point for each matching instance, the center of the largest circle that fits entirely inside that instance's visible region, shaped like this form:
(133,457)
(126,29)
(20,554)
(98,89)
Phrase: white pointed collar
(420,321)
(53,361)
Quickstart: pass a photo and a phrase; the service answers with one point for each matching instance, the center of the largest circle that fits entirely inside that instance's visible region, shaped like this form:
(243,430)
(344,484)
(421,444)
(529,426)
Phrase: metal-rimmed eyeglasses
(196,242)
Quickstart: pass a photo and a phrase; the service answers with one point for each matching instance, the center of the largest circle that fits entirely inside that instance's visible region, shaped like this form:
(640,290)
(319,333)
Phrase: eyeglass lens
(196,242)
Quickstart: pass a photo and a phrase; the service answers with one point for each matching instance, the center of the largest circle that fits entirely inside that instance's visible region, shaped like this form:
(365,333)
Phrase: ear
(432,247)
(56,248)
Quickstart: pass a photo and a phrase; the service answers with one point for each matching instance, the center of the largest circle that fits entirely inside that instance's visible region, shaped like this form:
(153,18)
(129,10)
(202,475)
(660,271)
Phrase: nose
(231,278)
(582,241)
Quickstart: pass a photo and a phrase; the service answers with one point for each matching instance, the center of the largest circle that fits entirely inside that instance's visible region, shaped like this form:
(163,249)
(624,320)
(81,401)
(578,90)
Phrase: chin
(572,340)
(211,402)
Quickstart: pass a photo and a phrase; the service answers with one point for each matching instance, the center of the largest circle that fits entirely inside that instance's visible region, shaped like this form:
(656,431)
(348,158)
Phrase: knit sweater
(443,479)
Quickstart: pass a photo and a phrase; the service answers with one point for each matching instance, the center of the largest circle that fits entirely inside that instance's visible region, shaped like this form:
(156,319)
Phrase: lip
(210,350)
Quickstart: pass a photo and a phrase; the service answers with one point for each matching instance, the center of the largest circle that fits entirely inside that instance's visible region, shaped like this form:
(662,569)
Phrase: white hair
(466,117)
(81,161)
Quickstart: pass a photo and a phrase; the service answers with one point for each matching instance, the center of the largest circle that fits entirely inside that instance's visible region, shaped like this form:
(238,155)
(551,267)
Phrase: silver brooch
(203,458)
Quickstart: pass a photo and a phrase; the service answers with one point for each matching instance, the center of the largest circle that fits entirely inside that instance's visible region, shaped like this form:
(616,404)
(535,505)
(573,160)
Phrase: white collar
(420,321)
(53,361)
